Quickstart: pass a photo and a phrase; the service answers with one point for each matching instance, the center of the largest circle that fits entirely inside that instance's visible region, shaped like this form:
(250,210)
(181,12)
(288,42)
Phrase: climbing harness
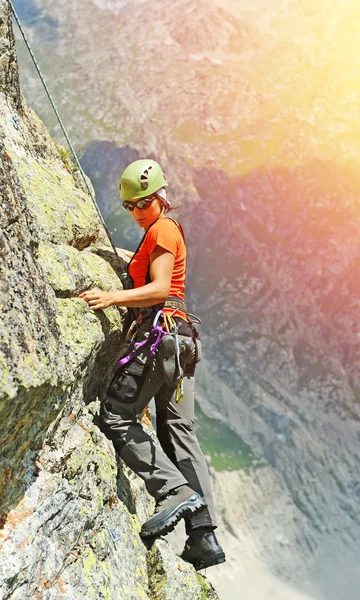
(61,123)
(164,341)
(174,342)
(156,337)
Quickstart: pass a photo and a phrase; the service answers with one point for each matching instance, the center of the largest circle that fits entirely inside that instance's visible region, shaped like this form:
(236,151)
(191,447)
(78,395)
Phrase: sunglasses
(142,204)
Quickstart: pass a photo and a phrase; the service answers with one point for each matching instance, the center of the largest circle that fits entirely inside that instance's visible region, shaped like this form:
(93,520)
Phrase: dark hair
(168,207)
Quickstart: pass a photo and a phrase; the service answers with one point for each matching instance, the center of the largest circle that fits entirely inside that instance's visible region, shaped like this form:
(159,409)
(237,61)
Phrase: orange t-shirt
(167,234)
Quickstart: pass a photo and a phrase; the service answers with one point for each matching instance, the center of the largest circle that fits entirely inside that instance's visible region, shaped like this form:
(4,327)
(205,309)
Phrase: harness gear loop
(154,337)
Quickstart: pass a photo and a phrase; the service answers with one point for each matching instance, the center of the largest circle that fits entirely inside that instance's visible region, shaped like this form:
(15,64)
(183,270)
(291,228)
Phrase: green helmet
(141,178)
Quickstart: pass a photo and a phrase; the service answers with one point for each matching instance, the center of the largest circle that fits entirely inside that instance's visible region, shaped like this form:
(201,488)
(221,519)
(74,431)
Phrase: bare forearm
(147,295)
(161,269)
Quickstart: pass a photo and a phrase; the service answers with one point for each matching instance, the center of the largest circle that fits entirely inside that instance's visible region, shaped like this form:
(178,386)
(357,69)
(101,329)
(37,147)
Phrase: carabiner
(157,317)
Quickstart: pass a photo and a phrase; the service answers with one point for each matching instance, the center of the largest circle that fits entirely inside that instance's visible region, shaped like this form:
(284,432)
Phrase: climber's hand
(97,299)
(127,253)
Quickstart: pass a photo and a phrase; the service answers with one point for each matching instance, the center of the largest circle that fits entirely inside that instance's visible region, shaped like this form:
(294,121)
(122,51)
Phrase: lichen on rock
(174,579)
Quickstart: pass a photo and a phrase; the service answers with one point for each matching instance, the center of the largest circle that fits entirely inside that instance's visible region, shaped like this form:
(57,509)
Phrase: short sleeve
(164,233)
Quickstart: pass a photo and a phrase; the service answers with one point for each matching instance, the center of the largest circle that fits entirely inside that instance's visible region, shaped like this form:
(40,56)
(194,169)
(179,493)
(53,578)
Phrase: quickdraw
(156,331)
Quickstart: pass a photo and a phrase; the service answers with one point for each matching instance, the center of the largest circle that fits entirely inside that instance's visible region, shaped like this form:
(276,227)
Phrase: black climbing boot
(202,550)
(180,502)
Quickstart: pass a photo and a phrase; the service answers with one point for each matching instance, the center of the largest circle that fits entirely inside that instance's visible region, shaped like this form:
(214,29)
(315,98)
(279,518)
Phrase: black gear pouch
(190,354)
(167,361)
(198,350)
(129,380)
(194,354)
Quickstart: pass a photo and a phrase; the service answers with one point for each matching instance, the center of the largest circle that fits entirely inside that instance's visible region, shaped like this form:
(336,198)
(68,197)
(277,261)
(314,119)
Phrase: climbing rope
(77,162)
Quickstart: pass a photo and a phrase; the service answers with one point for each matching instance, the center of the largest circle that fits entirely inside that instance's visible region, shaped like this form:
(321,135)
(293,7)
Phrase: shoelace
(160,502)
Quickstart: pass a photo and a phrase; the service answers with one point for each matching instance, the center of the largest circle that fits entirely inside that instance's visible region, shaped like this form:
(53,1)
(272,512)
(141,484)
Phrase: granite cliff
(70,515)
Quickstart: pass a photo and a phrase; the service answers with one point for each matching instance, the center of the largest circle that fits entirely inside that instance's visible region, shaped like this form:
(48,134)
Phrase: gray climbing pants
(172,459)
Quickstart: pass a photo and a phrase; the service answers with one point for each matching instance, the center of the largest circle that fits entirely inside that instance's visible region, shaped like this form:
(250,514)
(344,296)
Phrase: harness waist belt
(171,302)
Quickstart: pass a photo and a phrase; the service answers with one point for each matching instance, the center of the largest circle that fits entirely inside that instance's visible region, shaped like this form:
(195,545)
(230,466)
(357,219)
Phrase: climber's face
(147,214)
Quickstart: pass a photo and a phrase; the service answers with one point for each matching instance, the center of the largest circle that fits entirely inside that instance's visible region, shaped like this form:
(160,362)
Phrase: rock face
(70,516)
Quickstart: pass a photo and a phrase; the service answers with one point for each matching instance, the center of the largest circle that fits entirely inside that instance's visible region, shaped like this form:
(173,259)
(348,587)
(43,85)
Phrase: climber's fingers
(96,298)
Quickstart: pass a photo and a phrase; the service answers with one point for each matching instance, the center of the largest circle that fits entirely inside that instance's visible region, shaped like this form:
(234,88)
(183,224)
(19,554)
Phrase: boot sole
(204,563)
(179,512)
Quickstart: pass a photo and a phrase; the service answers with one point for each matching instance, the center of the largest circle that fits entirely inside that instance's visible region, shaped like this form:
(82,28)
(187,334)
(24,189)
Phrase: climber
(174,471)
